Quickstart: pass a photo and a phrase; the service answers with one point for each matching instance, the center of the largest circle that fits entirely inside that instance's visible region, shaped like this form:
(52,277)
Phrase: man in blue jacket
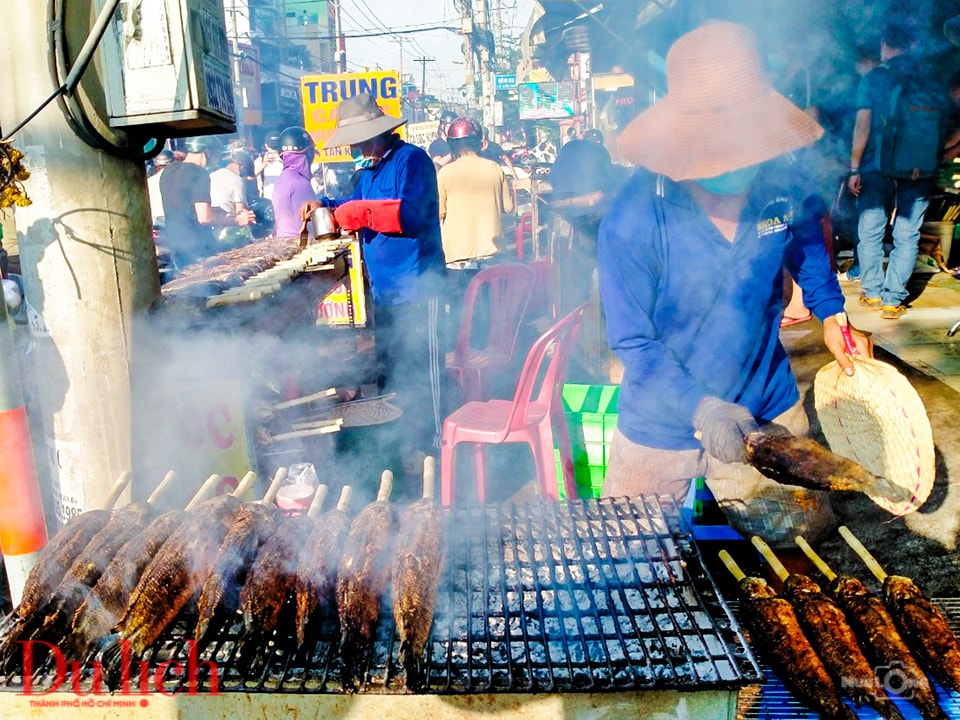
(396,208)
(691,256)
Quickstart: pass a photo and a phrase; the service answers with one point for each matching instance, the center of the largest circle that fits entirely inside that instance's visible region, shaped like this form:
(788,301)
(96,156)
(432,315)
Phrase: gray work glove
(722,427)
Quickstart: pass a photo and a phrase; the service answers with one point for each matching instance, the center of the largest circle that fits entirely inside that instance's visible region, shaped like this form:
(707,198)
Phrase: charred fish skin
(272,577)
(362,578)
(925,629)
(86,570)
(176,573)
(775,630)
(825,624)
(221,590)
(883,644)
(317,572)
(804,462)
(416,574)
(105,604)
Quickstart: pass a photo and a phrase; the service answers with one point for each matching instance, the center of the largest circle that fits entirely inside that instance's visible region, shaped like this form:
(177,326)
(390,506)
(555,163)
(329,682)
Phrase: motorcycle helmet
(272,141)
(295,139)
(163,158)
(203,143)
(464,127)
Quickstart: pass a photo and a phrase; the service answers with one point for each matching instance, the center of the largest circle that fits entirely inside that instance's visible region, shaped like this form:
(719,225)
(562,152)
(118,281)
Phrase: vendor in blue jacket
(691,257)
(396,208)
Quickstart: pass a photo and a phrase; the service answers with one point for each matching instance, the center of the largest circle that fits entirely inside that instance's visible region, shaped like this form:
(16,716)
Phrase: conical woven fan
(876,418)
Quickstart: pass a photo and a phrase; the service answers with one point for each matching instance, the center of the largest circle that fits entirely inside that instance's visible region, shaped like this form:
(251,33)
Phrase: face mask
(360,162)
(730,183)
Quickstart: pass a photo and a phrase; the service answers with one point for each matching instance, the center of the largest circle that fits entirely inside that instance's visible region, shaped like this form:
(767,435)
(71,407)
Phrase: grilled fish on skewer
(775,631)
(86,570)
(878,635)
(177,572)
(920,622)
(826,627)
(52,564)
(362,578)
(272,577)
(803,461)
(317,572)
(255,522)
(416,574)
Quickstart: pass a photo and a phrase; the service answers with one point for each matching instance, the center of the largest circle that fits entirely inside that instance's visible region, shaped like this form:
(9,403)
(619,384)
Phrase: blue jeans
(879,198)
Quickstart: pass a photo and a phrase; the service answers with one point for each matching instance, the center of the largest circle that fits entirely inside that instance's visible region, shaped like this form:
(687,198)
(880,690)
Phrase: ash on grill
(589,596)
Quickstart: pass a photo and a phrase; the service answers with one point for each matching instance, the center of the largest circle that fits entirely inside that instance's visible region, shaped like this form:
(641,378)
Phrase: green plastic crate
(591,413)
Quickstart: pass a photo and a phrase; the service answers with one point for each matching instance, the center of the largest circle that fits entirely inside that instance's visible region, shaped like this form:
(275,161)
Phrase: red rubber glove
(379,215)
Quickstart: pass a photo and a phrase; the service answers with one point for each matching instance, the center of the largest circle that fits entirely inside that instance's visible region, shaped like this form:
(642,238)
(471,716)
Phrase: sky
(445,72)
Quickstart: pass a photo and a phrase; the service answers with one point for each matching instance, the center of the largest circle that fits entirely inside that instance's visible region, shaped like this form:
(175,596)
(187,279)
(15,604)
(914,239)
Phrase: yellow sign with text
(322,95)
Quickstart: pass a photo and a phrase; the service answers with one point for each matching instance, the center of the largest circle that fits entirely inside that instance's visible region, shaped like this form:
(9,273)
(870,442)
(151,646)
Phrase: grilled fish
(362,578)
(317,572)
(416,574)
(883,644)
(925,629)
(86,570)
(177,572)
(835,642)
(254,524)
(802,461)
(52,564)
(775,631)
(105,604)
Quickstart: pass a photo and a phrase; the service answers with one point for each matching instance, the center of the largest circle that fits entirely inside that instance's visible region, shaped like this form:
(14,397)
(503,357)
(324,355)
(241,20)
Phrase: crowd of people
(721,212)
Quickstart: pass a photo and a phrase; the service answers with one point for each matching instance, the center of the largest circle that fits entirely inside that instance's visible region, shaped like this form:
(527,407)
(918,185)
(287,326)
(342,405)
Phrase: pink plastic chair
(529,417)
(508,287)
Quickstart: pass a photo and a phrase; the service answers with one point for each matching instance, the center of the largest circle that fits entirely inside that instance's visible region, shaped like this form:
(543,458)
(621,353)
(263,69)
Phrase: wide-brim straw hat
(359,118)
(720,112)
(876,418)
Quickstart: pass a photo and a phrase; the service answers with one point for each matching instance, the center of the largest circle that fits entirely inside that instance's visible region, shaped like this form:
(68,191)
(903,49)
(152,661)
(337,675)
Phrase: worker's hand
(723,427)
(379,215)
(246,217)
(833,338)
(855,184)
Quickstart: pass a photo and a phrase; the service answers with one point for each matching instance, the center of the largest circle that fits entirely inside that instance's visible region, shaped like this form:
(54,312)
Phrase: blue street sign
(506,82)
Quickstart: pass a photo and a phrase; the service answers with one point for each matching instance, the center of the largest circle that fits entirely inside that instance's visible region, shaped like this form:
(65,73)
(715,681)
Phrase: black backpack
(913,126)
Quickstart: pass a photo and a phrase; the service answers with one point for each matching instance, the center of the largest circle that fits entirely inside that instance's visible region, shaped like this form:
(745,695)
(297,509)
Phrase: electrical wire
(73,109)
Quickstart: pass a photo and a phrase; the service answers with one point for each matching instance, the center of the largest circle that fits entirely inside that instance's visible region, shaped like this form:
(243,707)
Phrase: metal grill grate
(775,702)
(590,596)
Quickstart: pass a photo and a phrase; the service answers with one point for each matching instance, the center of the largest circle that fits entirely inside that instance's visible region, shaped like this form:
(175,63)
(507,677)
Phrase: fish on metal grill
(925,629)
(177,572)
(52,564)
(776,633)
(106,602)
(362,578)
(256,521)
(826,627)
(804,462)
(272,577)
(416,574)
(878,635)
(317,571)
(920,622)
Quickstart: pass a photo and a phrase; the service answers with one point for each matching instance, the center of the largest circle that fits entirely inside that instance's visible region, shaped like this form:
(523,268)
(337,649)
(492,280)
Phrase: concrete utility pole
(341,43)
(466,29)
(486,77)
(399,40)
(89,268)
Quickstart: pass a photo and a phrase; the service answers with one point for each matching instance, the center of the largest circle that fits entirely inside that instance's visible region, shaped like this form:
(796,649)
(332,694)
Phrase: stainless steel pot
(323,224)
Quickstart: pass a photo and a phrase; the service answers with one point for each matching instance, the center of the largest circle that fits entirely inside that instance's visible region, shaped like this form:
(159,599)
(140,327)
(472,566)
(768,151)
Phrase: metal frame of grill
(593,596)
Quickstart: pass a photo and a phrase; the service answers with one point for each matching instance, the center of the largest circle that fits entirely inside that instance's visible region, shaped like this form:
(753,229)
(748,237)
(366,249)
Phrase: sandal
(787,321)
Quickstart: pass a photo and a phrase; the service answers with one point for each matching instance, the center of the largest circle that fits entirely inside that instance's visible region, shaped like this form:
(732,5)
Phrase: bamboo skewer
(770,557)
(158,490)
(429,477)
(117,490)
(329,392)
(271,494)
(205,490)
(344,502)
(818,561)
(869,560)
(386,486)
(318,497)
(732,566)
(246,482)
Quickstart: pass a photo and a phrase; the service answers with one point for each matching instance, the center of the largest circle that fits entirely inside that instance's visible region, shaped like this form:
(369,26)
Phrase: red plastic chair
(529,417)
(505,291)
